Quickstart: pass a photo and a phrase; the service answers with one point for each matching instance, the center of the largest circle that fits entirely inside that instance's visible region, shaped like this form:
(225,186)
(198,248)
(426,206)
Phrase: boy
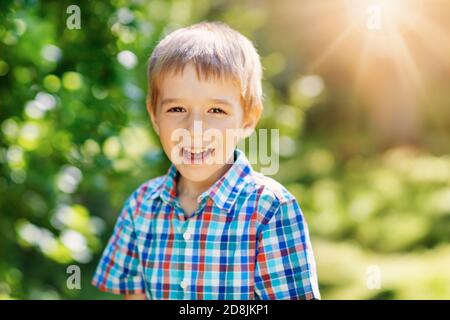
(211,228)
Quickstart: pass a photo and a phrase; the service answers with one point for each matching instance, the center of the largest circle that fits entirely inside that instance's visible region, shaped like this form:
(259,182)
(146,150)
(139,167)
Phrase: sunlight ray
(333,46)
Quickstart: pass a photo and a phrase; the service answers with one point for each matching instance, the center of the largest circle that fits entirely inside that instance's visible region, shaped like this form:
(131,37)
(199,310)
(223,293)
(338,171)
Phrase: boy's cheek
(165,139)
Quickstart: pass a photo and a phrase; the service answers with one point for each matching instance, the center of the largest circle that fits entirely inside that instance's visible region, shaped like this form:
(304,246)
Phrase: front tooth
(197,150)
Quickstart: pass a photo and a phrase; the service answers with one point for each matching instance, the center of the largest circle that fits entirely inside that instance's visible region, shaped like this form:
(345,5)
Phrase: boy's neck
(193,189)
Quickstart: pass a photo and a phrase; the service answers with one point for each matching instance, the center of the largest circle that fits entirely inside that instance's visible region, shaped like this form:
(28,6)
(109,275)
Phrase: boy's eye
(216,110)
(176,109)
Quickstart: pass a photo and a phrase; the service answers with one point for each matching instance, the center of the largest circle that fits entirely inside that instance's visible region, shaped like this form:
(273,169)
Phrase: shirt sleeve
(285,266)
(119,270)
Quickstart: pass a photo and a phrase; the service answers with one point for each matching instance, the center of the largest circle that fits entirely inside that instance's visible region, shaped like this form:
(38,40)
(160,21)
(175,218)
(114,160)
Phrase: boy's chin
(198,172)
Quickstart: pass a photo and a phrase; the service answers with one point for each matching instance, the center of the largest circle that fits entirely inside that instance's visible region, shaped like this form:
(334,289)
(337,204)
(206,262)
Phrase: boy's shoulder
(272,200)
(151,188)
(145,191)
(269,188)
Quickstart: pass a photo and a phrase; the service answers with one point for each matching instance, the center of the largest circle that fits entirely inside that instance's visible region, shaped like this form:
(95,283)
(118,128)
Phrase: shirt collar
(223,192)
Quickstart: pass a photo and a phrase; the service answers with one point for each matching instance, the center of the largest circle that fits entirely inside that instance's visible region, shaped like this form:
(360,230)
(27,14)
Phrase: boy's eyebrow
(170,100)
(221,101)
(214,100)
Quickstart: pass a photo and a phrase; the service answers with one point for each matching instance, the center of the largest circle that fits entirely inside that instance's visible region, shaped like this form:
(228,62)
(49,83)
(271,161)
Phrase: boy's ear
(249,125)
(152,114)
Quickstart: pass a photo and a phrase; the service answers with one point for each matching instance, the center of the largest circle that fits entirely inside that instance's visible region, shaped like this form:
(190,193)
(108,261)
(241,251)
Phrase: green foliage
(391,211)
(75,138)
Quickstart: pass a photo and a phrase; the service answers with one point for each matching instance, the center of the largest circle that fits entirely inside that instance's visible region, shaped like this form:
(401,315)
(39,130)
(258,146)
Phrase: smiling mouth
(196,155)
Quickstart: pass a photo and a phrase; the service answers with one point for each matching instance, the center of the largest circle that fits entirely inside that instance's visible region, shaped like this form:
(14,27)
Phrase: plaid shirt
(247,240)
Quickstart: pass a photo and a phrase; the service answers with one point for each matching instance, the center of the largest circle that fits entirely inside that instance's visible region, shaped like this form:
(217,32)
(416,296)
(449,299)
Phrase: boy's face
(199,122)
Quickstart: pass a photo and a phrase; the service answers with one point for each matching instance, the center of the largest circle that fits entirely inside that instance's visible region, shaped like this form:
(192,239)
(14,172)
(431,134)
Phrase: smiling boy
(212,227)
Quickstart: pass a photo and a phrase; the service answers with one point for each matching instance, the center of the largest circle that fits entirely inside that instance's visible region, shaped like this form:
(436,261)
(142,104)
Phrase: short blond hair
(217,51)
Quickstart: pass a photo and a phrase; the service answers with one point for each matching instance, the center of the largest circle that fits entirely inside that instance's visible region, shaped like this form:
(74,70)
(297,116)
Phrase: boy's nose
(196,127)
(195,122)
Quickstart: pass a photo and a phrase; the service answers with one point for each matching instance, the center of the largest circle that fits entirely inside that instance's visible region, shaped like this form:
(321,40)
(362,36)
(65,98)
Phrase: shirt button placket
(187,235)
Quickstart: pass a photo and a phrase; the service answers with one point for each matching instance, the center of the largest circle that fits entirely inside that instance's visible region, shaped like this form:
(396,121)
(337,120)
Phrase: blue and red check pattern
(247,240)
